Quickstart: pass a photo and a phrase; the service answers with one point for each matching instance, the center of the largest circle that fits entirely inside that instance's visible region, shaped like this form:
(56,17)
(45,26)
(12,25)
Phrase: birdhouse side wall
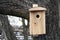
(37,23)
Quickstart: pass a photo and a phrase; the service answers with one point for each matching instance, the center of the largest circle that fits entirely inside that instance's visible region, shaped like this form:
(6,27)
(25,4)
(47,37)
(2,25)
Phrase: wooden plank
(37,23)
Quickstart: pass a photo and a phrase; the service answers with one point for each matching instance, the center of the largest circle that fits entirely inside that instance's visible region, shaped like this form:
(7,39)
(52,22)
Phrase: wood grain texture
(37,23)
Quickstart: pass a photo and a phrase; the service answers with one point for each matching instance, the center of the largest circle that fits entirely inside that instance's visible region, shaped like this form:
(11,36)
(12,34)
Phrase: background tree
(6,28)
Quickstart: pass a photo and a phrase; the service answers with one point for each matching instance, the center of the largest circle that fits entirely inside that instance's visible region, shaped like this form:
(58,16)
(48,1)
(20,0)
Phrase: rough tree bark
(24,30)
(6,28)
(52,29)
(14,7)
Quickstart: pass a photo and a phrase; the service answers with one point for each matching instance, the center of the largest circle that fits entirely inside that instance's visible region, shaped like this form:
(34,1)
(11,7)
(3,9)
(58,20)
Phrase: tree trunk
(6,28)
(24,30)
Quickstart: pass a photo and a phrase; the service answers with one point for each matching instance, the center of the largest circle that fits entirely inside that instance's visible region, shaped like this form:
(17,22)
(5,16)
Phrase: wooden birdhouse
(37,20)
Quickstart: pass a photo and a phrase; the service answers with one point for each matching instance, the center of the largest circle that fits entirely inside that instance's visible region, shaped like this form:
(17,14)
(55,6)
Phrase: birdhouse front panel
(37,22)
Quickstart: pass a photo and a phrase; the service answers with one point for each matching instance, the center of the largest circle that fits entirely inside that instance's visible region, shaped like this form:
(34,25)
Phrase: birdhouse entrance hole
(34,23)
(37,16)
(37,20)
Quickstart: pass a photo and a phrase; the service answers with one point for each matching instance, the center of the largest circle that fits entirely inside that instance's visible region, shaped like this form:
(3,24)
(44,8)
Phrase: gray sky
(16,21)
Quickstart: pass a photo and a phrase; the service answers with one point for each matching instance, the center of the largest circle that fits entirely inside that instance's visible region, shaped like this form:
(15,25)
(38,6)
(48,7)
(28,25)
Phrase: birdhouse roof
(37,9)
